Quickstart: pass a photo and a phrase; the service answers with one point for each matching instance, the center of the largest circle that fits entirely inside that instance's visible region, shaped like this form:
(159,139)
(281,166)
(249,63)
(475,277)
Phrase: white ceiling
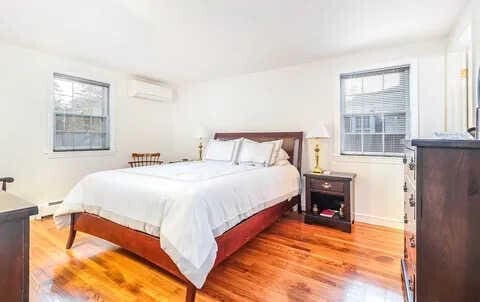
(180,40)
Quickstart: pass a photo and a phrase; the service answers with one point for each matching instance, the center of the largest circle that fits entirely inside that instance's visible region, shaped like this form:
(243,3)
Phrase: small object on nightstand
(341,213)
(332,196)
(328,213)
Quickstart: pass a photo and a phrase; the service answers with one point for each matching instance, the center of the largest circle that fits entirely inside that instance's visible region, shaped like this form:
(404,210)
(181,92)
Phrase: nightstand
(334,191)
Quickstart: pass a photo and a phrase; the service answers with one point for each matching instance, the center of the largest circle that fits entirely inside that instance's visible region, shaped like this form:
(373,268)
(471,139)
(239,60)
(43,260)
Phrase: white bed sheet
(186,204)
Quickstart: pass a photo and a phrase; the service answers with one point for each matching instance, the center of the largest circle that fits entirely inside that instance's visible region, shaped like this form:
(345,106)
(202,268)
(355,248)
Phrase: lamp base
(317,170)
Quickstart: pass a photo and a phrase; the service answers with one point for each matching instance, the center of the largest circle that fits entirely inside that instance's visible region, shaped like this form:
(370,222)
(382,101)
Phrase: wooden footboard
(148,246)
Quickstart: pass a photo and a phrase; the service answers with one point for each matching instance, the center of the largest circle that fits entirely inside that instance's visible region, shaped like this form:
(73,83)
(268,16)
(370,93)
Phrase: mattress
(185,204)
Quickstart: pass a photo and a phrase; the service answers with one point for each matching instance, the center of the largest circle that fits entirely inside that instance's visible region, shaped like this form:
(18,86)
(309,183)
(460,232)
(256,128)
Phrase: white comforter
(187,205)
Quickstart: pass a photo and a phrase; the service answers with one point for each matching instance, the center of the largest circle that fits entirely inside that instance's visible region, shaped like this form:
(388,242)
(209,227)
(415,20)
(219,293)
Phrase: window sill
(73,154)
(367,159)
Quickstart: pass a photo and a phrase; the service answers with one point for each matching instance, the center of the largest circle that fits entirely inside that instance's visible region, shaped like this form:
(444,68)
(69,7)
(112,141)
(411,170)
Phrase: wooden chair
(145,159)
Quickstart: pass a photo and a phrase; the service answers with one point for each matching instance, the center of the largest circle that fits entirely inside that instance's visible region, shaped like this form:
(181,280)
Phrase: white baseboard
(377,220)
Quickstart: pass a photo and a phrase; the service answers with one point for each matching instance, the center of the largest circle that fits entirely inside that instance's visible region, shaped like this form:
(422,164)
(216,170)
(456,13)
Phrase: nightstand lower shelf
(335,223)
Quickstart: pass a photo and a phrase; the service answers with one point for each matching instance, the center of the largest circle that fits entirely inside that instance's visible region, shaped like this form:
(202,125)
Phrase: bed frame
(148,246)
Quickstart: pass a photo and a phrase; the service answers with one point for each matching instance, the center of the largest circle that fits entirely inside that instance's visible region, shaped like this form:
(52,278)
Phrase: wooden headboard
(292,142)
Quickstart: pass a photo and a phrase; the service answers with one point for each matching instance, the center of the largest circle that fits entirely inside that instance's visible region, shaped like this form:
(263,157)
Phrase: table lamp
(316,133)
(201,133)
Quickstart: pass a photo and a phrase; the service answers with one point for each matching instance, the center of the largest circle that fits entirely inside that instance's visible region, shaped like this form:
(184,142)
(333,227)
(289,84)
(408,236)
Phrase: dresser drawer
(322,185)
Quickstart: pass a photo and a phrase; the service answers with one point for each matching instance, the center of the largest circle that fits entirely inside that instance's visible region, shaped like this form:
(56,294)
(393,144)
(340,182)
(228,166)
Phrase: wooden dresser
(442,221)
(14,247)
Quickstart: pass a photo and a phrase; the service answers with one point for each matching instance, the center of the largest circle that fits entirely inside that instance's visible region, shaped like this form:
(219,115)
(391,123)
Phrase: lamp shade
(320,131)
(201,132)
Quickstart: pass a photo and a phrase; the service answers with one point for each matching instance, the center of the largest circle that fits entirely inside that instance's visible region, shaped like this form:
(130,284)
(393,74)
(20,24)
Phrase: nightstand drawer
(327,185)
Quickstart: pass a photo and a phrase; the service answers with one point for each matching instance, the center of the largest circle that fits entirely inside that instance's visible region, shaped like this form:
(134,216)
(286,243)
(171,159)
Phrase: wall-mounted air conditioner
(150,91)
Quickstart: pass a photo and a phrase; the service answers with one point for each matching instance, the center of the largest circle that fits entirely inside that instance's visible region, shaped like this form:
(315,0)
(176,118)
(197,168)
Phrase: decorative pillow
(221,150)
(254,153)
(282,162)
(282,155)
(276,148)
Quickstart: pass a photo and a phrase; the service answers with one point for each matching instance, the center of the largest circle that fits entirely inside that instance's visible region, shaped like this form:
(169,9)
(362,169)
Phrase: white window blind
(81,112)
(375,111)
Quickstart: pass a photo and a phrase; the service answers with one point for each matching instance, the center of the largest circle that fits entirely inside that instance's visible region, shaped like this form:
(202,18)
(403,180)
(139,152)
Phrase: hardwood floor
(291,261)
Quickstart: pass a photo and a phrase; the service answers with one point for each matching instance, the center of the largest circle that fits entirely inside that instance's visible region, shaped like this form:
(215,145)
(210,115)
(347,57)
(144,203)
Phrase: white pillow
(282,155)
(254,153)
(276,149)
(220,150)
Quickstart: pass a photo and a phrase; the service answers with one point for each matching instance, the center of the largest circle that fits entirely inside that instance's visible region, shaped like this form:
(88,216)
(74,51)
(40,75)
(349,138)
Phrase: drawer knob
(411,200)
(411,285)
(326,185)
(411,165)
(405,189)
(412,241)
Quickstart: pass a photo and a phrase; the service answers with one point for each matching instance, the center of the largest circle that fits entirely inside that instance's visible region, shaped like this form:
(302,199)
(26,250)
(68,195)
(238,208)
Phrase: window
(81,114)
(375,111)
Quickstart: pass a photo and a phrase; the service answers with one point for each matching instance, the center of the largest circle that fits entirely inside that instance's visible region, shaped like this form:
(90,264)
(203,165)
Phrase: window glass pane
(353,105)
(98,141)
(395,123)
(81,141)
(63,87)
(375,107)
(353,86)
(81,114)
(98,124)
(60,122)
(88,91)
(357,124)
(391,80)
(373,143)
(352,143)
(372,84)
(76,123)
(347,124)
(63,141)
(63,103)
(394,143)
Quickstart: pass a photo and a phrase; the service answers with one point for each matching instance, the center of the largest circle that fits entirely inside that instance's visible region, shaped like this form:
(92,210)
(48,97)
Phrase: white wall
(476,40)
(25,93)
(468,22)
(293,98)
(298,97)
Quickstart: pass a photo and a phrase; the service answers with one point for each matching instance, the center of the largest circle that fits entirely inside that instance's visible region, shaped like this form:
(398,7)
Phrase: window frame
(351,67)
(84,78)
(362,116)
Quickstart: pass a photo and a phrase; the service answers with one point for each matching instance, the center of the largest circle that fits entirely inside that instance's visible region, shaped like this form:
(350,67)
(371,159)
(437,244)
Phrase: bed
(202,219)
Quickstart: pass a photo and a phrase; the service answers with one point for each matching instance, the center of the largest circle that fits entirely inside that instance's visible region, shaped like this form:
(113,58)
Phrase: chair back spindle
(145,159)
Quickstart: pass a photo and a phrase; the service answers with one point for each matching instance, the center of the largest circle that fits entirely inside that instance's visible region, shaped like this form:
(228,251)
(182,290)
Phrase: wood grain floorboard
(291,261)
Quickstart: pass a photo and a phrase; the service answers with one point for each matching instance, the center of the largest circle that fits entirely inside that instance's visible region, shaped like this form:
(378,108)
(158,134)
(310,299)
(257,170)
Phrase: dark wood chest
(14,247)
(442,220)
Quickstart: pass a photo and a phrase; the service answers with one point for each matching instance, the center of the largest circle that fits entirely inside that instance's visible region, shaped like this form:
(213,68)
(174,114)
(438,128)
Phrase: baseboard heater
(48,209)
